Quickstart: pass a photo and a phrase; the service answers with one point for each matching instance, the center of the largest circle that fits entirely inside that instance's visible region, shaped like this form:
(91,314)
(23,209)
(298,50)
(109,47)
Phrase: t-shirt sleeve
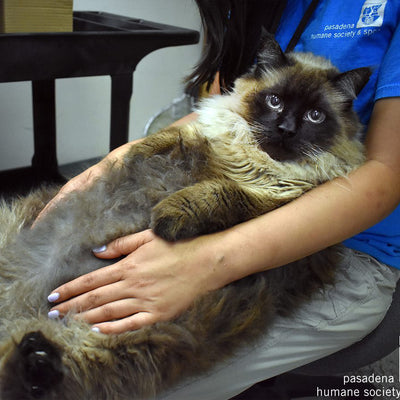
(388,84)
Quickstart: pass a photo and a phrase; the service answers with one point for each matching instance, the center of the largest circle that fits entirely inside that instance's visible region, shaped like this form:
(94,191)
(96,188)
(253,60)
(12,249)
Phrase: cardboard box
(35,16)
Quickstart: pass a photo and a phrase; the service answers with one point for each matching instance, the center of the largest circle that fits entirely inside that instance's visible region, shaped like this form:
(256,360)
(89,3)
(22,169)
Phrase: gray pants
(333,320)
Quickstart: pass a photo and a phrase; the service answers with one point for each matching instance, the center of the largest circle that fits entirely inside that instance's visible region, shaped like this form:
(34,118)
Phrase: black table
(100,44)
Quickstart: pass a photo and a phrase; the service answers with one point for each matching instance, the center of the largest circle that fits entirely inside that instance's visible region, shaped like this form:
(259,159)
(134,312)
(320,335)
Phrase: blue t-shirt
(354,34)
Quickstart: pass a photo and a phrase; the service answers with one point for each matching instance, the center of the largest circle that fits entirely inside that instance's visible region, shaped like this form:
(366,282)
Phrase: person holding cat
(157,280)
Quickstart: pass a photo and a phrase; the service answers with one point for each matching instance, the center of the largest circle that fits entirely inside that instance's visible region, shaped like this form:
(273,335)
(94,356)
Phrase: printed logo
(372,13)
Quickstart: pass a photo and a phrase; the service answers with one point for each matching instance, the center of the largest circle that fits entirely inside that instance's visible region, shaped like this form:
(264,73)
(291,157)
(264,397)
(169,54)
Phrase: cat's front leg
(205,207)
(182,139)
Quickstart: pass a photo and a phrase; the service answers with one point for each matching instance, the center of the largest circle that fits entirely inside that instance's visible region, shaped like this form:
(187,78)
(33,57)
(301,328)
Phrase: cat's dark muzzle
(280,147)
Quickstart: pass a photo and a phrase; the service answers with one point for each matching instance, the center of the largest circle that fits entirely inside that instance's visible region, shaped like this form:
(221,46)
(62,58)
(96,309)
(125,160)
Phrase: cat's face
(296,107)
(292,118)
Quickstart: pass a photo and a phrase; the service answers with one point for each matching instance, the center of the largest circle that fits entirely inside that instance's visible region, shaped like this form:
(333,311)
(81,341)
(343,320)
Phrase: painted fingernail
(53,297)
(54,314)
(96,329)
(99,249)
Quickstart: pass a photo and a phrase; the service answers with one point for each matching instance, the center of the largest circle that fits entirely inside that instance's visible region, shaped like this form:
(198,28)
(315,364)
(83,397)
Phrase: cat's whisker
(312,151)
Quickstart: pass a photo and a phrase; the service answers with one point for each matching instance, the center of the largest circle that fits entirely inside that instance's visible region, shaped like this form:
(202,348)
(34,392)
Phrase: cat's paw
(172,223)
(41,364)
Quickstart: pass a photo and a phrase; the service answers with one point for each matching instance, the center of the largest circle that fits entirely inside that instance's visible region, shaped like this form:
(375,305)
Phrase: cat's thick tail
(34,369)
(21,212)
(15,215)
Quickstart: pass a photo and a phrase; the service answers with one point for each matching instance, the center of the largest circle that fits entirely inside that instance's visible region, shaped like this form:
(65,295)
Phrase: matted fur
(181,182)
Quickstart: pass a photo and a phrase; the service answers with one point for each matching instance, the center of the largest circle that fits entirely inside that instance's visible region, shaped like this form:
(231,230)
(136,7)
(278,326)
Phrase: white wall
(83,104)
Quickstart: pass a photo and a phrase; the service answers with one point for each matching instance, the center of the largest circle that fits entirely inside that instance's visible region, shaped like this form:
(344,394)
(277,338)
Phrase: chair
(328,372)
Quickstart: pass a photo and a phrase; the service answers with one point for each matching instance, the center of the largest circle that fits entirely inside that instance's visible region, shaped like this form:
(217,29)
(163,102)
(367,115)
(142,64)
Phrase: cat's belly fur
(59,247)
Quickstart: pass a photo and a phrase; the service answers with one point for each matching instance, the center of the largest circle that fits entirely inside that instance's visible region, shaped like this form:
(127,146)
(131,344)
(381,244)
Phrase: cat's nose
(287,128)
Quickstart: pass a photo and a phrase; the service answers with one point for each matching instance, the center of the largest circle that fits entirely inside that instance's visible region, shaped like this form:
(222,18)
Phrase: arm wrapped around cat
(286,127)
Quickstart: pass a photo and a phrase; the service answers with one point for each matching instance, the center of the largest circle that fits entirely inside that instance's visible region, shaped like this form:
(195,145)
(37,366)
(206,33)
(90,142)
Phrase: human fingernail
(99,249)
(96,329)
(53,297)
(54,314)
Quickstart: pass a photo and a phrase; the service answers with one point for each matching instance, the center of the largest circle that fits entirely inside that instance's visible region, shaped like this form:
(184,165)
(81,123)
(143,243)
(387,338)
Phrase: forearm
(186,119)
(117,155)
(322,217)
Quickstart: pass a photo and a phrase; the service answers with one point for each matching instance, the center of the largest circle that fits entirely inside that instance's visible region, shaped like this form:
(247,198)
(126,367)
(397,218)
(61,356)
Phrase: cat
(286,126)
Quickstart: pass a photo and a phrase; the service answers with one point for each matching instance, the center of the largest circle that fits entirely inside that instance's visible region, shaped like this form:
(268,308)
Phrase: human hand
(156,281)
(86,178)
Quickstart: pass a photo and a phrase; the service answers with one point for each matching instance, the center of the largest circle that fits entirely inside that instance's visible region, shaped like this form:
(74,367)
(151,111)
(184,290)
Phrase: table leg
(44,161)
(121,92)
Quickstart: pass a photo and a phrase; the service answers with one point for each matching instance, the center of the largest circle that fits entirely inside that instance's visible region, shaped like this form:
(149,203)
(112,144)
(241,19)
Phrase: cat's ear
(350,83)
(270,56)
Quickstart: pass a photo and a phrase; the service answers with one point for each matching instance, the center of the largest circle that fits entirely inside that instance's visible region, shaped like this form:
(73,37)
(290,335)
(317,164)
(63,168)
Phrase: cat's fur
(181,182)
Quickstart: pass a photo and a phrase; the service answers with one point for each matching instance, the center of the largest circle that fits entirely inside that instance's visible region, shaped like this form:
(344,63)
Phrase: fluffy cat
(287,126)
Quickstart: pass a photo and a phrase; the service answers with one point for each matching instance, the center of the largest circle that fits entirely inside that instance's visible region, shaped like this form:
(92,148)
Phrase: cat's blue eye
(315,116)
(273,101)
